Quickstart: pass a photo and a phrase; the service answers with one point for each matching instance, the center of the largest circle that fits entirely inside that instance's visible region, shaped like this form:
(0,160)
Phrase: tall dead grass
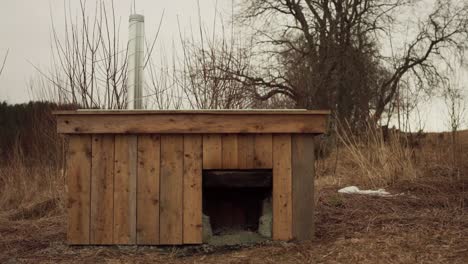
(377,162)
(23,186)
(26,183)
(367,160)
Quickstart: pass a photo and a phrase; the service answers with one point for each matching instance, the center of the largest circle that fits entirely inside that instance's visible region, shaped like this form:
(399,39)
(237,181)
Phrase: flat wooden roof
(207,111)
(191,121)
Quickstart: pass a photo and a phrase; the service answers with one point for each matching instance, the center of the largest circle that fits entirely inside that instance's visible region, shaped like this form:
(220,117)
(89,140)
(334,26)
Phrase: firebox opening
(237,203)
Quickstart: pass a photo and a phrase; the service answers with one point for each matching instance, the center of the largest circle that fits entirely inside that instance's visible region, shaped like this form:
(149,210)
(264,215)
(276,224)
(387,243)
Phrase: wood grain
(230,153)
(78,173)
(246,151)
(171,207)
(303,186)
(282,187)
(212,151)
(125,173)
(263,156)
(148,183)
(102,189)
(192,214)
(191,123)
(191,112)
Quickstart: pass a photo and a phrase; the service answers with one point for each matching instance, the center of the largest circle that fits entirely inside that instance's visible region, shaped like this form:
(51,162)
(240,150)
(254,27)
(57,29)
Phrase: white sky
(25,29)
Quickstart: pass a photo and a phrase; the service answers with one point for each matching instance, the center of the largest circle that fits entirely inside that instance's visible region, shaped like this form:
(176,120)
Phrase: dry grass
(374,162)
(23,187)
(425,225)
(428,223)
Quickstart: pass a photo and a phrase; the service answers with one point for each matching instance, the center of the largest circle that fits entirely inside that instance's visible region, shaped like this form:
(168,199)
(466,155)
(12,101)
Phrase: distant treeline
(28,131)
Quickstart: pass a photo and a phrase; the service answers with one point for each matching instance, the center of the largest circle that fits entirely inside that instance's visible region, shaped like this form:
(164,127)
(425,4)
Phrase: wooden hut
(136,177)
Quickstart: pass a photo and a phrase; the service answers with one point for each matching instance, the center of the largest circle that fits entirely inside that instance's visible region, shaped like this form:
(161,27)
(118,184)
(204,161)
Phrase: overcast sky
(25,29)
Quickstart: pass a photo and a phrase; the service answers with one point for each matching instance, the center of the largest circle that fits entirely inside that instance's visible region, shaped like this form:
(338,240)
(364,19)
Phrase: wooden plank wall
(102,190)
(171,207)
(238,151)
(282,187)
(115,194)
(79,188)
(303,186)
(192,208)
(149,160)
(125,179)
(147,189)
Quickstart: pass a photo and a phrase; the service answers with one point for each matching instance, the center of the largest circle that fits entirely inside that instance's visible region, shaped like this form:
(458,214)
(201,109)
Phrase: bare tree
(202,76)
(162,87)
(456,110)
(89,61)
(456,107)
(328,53)
(442,33)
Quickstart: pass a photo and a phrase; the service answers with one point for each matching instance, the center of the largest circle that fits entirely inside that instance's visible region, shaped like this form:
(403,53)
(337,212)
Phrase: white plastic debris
(356,190)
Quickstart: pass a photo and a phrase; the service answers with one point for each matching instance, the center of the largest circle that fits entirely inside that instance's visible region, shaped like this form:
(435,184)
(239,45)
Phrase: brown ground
(427,224)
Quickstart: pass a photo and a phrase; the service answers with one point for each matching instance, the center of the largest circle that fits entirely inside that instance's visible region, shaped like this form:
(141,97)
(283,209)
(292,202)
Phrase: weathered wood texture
(192,209)
(79,192)
(237,151)
(303,186)
(263,156)
(102,190)
(171,206)
(163,123)
(125,169)
(229,151)
(146,188)
(282,187)
(246,151)
(149,148)
(212,151)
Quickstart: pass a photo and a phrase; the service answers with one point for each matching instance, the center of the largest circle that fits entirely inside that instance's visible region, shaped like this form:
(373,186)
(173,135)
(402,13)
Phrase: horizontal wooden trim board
(189,112)
(175,122)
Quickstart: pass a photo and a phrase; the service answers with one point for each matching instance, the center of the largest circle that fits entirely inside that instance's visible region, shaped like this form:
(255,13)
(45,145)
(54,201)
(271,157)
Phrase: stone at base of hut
(265,222)
(264,225)
(207,232)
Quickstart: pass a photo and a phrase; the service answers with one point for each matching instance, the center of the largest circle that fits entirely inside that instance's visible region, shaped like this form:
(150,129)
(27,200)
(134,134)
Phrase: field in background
(426,223)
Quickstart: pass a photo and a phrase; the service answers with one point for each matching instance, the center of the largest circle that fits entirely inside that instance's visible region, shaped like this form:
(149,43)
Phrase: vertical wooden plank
(102,189)
(230,155)
(192,210)
(263,156)
(79,181)
(212,151)
(171,207)
(148,174)
(125,169)
(282,187)
(246,151)
(303,186)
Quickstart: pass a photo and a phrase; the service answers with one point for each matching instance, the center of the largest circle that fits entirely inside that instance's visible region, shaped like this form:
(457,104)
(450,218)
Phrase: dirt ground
(427,223)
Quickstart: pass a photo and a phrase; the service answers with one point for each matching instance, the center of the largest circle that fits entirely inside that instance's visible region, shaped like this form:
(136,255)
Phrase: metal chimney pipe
(135,61)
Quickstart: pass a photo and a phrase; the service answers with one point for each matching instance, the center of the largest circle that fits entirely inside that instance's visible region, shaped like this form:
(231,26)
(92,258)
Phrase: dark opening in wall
(235,200)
